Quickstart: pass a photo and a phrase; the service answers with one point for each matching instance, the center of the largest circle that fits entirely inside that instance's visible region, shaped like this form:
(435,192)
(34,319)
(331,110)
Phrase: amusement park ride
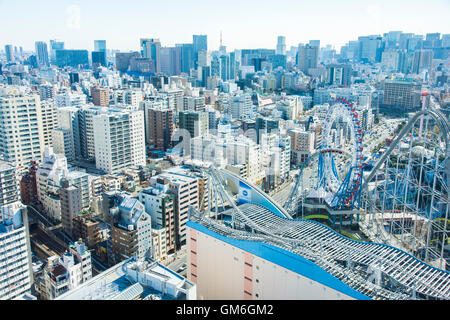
(401,206)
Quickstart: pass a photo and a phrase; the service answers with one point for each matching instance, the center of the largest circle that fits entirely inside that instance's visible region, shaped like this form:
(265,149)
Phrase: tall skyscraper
(9,53)
(42,53)
(200,42)
(55,45)
(281,45)
(308,57)
(100,45)
(187,57)
(72,58)
(151,49)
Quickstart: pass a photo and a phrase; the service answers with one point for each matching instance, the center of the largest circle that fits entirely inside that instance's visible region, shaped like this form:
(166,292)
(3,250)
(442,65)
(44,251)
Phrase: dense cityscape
(193,172)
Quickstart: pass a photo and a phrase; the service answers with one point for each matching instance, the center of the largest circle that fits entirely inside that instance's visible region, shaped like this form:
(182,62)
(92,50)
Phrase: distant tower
(222,48)
(281,45)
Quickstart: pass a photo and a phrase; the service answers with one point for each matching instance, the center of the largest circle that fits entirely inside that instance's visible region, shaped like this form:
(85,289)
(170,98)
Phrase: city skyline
(243,25)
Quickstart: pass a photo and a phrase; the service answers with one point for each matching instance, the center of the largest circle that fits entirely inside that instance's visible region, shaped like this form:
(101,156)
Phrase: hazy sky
(244,23)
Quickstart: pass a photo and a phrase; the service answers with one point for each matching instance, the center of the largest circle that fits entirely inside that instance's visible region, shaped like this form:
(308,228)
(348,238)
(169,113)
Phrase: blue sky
(244,23)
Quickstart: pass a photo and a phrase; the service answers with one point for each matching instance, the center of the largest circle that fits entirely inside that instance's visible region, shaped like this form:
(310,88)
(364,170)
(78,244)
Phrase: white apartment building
(21,130)
(16,276)
(48,178)
(119,140)
(49,121)
(69,99)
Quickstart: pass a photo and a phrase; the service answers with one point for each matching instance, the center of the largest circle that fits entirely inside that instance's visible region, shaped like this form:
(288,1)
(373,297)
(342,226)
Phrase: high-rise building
(184,187)
(9,53)
(15,267)
(8,183)
(195,122)
(55,45)
(71,204)
(187,57)
(200,42)
(123,60)
(339,74)
(119,140)
(21,131)
(422,60)
(98,58)
(49,121)
(28,186)
(281,45)
(42,53)
(308,56)
(241,106)
(100,45)
(402,94)
(160,205)
(171,61)
(72,58)
(151,49)
(100,96)
(159,127)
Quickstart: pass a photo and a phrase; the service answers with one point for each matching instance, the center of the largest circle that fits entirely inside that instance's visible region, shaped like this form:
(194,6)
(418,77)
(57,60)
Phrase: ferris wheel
(341,138)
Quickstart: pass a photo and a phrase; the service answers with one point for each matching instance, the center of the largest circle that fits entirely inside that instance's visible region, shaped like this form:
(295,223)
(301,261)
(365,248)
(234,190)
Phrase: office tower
(100,45)
(22,140)
(71,206)
(159,127)
(187,57)
(195,122)
(72,58)
(403,94)
(281,45)
(241,106)
(55,45)
(422,60)
(119,140)
(142,65)
(131,234)
(204,58)
(160,205)
(184,188)
(74,77)
(49,121)
(100,96)
(28,187)
(8,183)
(42,53)
(151,49)
(314,43)
(98,58)
(278,60)
(308,57)
(200,42)
(339,74)
(9,53)
(171,60)
(15,266)
(232,65)
(369,48)
(123,60)
(225,67)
